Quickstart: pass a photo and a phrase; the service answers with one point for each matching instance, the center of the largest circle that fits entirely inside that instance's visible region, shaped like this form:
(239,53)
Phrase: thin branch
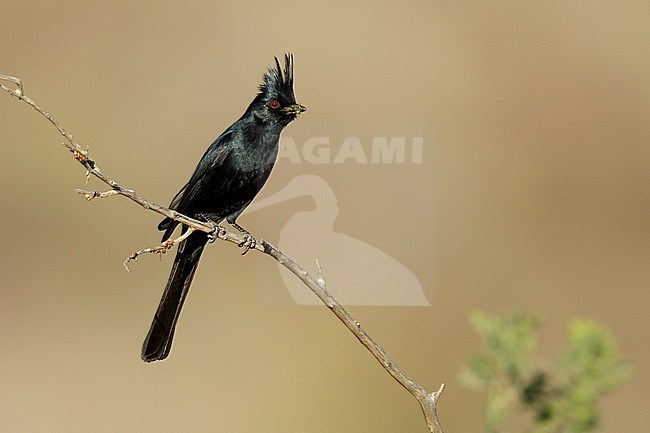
(321,278)
(160,249)
(427,401)
(19,90)
(82,155)
(89,195)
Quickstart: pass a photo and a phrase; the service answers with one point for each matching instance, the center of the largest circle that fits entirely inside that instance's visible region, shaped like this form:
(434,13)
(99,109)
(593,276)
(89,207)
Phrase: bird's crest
(278,82)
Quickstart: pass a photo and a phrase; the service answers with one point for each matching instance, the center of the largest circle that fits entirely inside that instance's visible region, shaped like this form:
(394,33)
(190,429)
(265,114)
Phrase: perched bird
(227,178)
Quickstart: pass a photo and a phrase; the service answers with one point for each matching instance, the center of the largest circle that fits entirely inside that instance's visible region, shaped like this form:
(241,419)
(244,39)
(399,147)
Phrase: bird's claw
(216,233)
(248,243)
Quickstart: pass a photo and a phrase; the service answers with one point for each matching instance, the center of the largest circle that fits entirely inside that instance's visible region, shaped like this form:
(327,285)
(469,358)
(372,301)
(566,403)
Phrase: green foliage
(556,397)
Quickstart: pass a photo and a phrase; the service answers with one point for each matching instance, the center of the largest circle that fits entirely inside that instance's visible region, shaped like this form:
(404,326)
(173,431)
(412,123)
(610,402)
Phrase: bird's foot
(216,233)
(248,243)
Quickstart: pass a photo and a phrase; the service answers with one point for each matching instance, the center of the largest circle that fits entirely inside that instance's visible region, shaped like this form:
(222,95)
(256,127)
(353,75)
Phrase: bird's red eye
(274,104)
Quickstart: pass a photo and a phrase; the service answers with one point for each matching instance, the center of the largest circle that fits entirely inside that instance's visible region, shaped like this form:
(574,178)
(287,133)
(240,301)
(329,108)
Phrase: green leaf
(561,399)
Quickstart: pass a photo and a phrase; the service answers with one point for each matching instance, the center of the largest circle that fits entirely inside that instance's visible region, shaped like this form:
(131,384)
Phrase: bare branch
(321,279)
(161,249)
(317,285)
(17,81)
(427,401)
(89,195)
(82,155)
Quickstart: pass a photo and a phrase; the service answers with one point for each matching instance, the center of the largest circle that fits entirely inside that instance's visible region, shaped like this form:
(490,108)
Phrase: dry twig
(160,250)
(427,401)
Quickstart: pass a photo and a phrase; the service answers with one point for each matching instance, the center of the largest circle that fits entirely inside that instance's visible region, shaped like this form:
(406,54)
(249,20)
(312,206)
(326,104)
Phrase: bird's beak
(295,109)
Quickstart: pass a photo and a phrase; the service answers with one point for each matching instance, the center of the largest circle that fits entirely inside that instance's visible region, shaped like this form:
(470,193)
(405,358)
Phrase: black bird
(230,174)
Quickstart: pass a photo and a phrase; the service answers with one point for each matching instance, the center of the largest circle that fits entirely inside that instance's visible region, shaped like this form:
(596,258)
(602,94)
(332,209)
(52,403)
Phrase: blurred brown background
(533,195)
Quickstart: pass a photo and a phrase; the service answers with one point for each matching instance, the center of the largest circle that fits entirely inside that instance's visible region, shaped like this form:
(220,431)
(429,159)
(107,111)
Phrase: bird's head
(276,101)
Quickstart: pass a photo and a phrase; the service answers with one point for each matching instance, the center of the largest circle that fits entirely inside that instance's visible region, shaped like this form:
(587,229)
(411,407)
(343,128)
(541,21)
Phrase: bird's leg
(217,232)
(248,242)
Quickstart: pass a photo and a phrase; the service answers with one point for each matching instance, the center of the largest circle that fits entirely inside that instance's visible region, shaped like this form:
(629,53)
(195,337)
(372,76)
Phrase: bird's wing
(207,167)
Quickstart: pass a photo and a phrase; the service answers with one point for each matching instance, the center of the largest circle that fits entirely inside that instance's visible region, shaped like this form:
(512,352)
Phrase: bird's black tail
(159,339)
